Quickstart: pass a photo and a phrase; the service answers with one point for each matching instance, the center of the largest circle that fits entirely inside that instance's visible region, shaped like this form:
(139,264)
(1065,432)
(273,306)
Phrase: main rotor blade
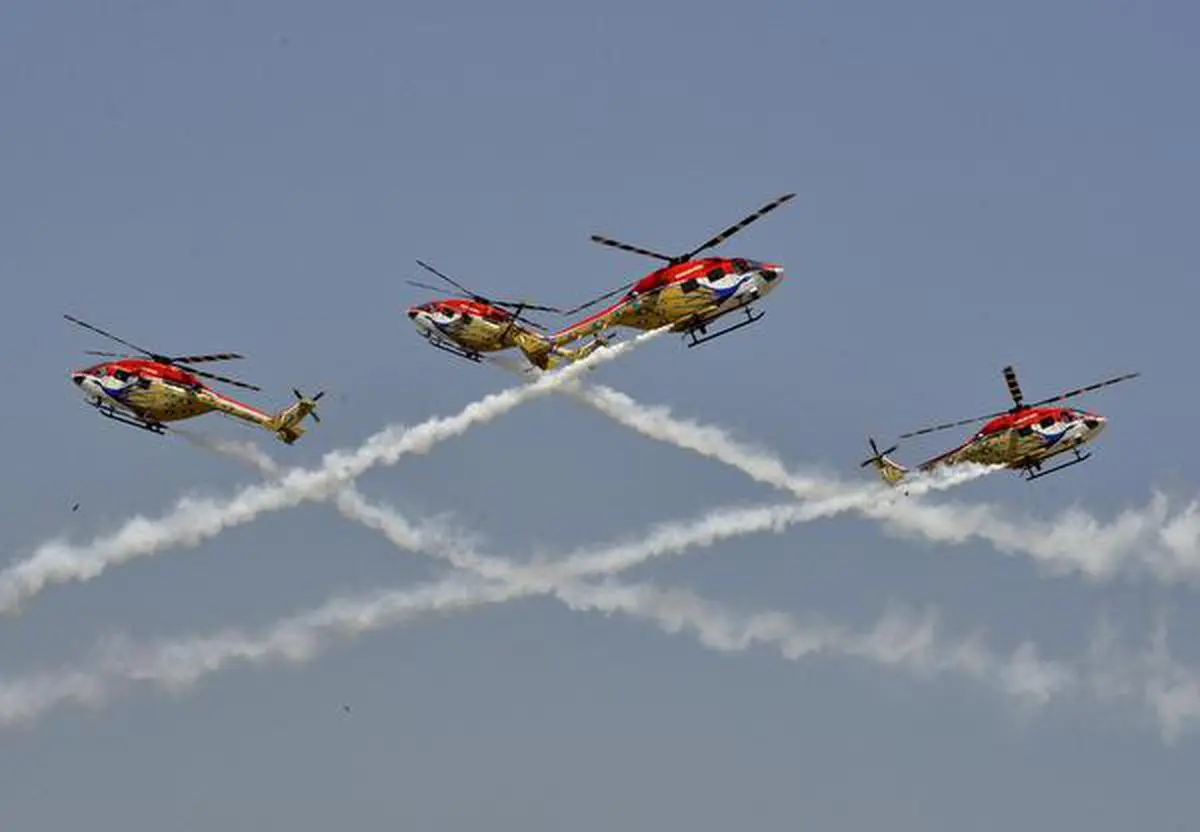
(1016,396)
(606,241)
(438,289)
(105,354)
(86,325)
(605,296)
(1082,390)
(1014,388)
(733,229)
(518,315)
(522,305)
(946,425)
(449,280)
(214,377)
(197,359)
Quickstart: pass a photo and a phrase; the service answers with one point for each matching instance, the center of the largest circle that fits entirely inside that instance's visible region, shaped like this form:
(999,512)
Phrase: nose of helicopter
(1094,424)
(420,319)
(769,276)
(87,385)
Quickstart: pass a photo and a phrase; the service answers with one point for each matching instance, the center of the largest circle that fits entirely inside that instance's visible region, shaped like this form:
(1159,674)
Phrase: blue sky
(976,187)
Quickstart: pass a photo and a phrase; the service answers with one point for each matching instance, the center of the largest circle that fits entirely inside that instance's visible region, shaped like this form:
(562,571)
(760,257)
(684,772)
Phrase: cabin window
(716,274)
(1047,422)
(1025,431)
(691,284)
(120,375)
(740,265)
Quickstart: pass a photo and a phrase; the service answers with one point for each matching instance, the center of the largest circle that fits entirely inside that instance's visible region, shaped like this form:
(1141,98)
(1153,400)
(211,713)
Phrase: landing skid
(453,349)
(109,412)
(1035,472)
(751,317)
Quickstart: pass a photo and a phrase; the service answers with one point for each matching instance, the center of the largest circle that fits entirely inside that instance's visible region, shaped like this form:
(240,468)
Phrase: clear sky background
(978,184)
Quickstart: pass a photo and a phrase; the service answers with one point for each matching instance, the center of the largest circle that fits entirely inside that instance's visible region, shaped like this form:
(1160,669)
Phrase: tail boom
(285,424)
(546,354)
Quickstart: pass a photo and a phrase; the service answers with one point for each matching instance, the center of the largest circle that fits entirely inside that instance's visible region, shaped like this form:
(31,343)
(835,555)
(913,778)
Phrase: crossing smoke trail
(665,539)
(900,639)
(1171,691)
(717,525)
(195,520)
(1151,539)
(177,664)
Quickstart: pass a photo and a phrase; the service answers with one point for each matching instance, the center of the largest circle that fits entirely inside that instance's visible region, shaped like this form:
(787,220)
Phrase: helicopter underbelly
(164,402)
(671,305)
(478,336)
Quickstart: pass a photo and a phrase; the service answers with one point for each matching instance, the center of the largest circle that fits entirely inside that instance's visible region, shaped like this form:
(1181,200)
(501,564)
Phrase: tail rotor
(286,423)
(310,404)
(879,456)
(890,471)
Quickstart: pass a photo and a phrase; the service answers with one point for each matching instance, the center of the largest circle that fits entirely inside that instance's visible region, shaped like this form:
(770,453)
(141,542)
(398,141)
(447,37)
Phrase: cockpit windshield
(742,265)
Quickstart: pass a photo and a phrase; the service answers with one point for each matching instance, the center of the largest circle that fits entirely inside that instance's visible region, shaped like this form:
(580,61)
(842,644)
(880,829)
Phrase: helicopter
(688,293)
(1021,438)
(470,324)
(151,391)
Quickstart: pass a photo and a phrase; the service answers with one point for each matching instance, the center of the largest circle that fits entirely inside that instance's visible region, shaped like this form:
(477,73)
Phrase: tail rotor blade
(877,455)
(313,401)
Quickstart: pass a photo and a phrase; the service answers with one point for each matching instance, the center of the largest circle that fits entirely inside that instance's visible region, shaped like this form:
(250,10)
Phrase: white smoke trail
(899,639)
(718,524)
(237,449)
(195,520)
(1151,539)
(175,665)
(1152,679)
(657,422)
(665,539)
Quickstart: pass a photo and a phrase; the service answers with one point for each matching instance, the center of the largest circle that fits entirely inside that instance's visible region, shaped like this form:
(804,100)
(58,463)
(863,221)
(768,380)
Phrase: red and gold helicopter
(149,392)
(1021,438)
(688,293)
(471,324)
